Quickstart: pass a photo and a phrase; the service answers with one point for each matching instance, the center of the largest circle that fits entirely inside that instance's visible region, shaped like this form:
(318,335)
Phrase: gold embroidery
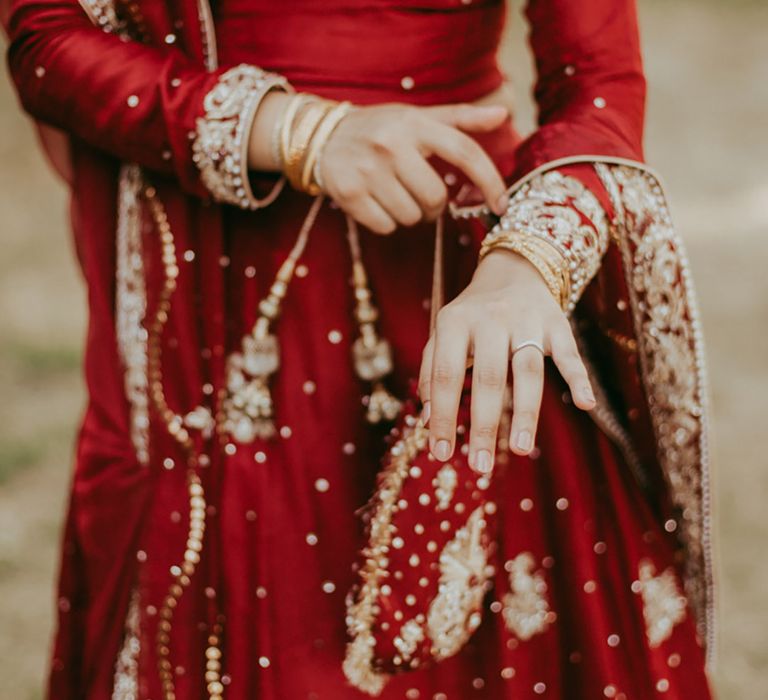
(411,635)
(361,610)
(663,604)
(670,348)
(445,485)
(126,681)
(131,306)
(525,606)
(220,145)
(130,291)
(454,614)
(559,210)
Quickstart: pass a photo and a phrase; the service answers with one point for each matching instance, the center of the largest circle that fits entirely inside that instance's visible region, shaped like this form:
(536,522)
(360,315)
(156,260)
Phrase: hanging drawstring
(371,354)
(247,410)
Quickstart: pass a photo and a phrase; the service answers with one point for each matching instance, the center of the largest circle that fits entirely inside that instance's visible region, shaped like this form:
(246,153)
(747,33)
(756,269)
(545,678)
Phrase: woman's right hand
(374,165)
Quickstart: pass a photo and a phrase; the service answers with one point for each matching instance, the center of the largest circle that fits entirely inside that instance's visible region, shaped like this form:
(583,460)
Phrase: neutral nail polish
(483,462)
(442,450)
(425,411)
(523,441)
(501,204)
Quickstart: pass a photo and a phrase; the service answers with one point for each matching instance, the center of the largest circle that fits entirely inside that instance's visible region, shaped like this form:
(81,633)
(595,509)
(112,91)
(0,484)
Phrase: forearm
(261,151)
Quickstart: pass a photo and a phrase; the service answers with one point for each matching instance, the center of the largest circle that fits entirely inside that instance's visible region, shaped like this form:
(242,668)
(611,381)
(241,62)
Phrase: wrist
(502,266)
(261,155)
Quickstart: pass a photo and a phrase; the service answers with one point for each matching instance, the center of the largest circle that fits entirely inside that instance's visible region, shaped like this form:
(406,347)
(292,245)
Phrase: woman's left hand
(507,303)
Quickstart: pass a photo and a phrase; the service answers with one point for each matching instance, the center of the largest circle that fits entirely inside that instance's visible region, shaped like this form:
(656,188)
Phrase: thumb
(469,117)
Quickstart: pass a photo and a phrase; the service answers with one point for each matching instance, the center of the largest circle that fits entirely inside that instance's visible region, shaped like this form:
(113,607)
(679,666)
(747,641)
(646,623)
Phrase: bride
(260,194)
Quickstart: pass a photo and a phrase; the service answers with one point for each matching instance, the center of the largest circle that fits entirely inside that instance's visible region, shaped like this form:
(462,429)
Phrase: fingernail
(483,462)
(501,204)
(425,411)
(442,450)
(587,395)
(523,441)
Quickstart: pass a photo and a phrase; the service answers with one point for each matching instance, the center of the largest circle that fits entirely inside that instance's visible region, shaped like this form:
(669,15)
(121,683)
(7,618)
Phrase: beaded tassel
(371,354)
(247,410)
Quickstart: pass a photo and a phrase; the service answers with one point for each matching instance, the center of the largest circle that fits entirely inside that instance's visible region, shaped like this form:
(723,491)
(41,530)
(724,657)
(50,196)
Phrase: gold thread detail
(670,349)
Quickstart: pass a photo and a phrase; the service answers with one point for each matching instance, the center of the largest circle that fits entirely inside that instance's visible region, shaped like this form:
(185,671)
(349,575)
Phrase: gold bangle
(306,125)
(286,125)
(557,261)
(319,139)
(550,264)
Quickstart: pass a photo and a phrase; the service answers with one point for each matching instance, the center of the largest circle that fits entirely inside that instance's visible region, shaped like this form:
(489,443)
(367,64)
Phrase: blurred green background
(707,64)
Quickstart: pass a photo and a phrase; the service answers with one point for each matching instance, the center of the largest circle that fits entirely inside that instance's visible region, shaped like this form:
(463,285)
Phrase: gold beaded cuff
(559,212)
(220,140)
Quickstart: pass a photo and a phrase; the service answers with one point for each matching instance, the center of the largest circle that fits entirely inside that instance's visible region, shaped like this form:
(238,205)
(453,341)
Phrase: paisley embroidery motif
(663,604)
(525,606)
(454,613)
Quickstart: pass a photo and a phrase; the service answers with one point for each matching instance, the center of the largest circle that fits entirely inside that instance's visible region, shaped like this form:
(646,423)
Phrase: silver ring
(529,344)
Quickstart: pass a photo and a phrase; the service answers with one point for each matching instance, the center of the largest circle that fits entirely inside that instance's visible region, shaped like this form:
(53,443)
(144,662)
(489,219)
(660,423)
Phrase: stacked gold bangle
(550,263)
(304,130)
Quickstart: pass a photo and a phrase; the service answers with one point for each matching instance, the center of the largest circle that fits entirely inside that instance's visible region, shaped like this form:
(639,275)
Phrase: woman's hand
(375,167)
(506,304)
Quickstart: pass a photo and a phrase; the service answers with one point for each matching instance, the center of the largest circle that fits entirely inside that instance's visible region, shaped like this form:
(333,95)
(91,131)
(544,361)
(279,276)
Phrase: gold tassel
(371,354)
(247,409)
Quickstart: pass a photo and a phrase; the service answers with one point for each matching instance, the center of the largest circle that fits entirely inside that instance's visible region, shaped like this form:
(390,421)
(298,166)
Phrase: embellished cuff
(220,139)
(561,212)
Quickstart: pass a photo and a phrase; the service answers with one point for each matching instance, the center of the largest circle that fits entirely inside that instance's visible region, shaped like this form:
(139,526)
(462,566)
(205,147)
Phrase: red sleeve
(590,86)
(134,101)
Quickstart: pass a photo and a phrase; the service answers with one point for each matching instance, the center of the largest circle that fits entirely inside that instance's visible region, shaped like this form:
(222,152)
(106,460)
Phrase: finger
(425,376)
(470,117)
(395,199)
(527,387)
(489,378)
(446,381)
(423,182)
(466,154)
(565,354)
(368,212)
